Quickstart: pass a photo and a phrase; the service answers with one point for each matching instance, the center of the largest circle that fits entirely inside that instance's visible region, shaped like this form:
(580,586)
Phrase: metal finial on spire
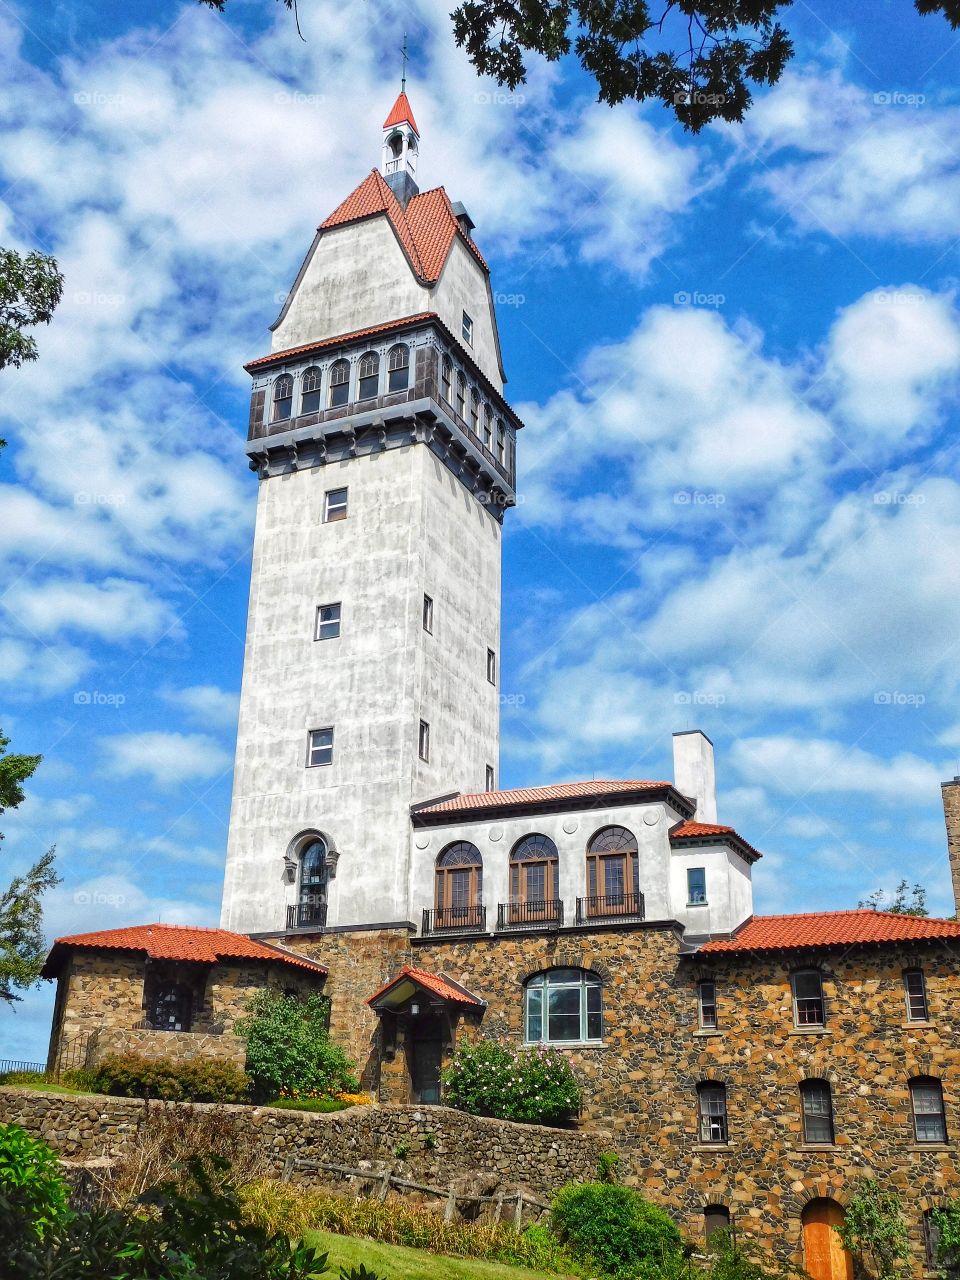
(403,77)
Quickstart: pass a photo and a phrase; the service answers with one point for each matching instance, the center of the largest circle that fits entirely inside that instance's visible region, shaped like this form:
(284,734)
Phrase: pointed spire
(401,113)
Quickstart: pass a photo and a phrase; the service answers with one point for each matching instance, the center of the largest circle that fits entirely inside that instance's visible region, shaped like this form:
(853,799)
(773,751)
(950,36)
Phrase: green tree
(946,1219)
(289,1050)
(906,901)
(30,288)
(700,58)
(874,1231)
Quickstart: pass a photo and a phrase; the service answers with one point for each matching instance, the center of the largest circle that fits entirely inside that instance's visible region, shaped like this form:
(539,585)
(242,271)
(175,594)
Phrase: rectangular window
(501,442)
(491,780)
(916,993)
(707,1001)
(328,622)
(467,330)
(424,740)
(446,374)
(334,505)
(428,613)
(461,395)
(926,1097)
(817,1104)
(491,666)
(319,747)
(696,887)
(712,1100)
(808,1008)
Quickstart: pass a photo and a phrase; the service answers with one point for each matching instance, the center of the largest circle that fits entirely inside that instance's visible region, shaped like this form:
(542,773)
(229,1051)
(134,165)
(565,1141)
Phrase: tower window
(487,431)
(398,367)
(339,383)
(461,395)
(369,376)
(808,1004)
(926,1101)
(475,413)
(916,992)
(491,778)
(282,397)
(312,892)
(501,441)
(696,887)
(319,747)
(446,379)
(466,328)
(428,613)
(707,1004)
(328,622)
(334,505)
(817,1103)
(424,742)
(491,666)
(712,1112)
(310,390)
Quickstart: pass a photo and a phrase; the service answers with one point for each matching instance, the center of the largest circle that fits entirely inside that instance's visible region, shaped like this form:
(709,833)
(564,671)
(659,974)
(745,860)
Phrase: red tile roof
(426,229)
(177,942)
(831,929)
(401,112)
(433,982)
(340,339)
(700,831)
(492,800)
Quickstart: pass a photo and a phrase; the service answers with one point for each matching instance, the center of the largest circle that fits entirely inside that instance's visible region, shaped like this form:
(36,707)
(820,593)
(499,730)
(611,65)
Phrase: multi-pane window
(696,886)
(424,740)
(926,1101)
(459,882)
(712,1112)
(474,413)
(334,505)
(428,613)
(466,329)
(282,397)
(707,1004)
(613,872)
(491,666)
(328,622)
(310,390)
(491,778)
(339,383)
(563,1006)
(369,383)
(319,747)
(312,893)
(816,1102)
(487,430)
(534,864)
(808,1004)
(915,990)
(501,441)
(446,379)
(461,394)
(398,367)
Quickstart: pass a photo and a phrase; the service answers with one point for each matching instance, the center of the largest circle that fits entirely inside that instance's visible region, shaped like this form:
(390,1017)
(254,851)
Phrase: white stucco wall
(729,889)
(463,287)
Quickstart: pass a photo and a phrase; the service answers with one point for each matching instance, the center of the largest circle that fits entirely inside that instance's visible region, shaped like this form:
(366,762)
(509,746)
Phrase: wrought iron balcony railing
(615,907)
(307,915)
(455,920)
(525,915)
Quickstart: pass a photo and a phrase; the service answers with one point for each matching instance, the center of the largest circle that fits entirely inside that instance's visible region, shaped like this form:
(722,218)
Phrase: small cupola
(401,141)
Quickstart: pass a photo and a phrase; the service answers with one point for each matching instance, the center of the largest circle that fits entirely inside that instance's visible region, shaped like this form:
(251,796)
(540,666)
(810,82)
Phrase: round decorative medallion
(495,833)
(570,825)
(651,817)
(422,842)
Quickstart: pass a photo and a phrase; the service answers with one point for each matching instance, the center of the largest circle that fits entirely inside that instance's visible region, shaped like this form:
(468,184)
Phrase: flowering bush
(535,1086)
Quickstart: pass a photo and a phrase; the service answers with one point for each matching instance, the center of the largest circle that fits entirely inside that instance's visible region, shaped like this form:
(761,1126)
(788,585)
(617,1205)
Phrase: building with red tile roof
(827,930)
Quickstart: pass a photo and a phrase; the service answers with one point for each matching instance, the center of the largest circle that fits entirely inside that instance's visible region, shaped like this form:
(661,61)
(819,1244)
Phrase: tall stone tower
(385,453)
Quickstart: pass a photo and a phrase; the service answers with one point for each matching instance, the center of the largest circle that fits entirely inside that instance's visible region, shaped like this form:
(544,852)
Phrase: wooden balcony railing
(525,915)
(610,907)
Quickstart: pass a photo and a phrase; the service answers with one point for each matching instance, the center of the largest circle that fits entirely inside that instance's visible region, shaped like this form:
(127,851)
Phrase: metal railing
(521,915)
(454,919)
(20,1064)
(214,1029)
(307,915)
(605,907)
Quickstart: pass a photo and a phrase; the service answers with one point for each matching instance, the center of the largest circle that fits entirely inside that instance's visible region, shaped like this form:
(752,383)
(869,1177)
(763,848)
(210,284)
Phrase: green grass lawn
(395,1263)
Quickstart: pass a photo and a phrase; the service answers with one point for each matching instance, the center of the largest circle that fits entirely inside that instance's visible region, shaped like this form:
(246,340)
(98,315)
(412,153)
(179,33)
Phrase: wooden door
(823,1253)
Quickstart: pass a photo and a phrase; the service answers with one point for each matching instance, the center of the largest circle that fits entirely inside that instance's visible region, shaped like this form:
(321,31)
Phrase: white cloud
(110,901)
(166,758)
(206,704)
(799,766)
(115,609)
(28,669)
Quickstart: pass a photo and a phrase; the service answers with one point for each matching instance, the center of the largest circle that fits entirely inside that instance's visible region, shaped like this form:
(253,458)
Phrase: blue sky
(736,356)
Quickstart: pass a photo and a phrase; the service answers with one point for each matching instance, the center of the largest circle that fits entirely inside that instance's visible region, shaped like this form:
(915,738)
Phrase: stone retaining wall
(438,1144)
(181,1046)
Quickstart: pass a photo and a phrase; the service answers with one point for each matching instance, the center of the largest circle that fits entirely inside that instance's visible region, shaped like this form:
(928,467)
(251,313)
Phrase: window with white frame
(339,383)
(310,390)
(915,990)
(808,1003)
(461,395)
(334,505)
(398,367)
(282,397)
(369,376)
(492,666)
(428,613)
(707,1004)
(926,1102)
(328,622)
(319,747)
(466,329)
(446,379)
(424,740)
(563,1006)
(491,778)
(712,1112)
(816,1101)
(696,886)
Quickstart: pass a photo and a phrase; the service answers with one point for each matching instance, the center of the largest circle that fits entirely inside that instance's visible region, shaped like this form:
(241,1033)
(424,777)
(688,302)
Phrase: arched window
(716,1217)
(534,863)
(369,376)
(816,1101)
(458,887)
(613,873)
(172,1008)
(712,1111)
(282,397)
(446,378)
(312,891)
(395,143)
(926,1102)
(563,1006)
(461,395)
(487,428)
(310,390)
(339,383)
(475,412)
(398,367)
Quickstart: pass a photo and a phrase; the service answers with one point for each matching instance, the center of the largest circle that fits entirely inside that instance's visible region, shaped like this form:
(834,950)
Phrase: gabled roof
(831,929)
(401,113)
(575,794)
(426,229)
(436,984)
(712,832)
(175,942)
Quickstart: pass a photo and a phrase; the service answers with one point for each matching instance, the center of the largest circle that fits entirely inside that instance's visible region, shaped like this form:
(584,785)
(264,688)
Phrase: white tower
(385,456)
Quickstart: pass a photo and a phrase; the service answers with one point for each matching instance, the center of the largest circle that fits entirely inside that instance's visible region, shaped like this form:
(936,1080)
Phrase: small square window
(319,747)
(424,740)
(328,622)
(428,613)
(491,666)
(467,329)
(696,887)
(707,1003)
(334,505)
(916,993)
(491,780)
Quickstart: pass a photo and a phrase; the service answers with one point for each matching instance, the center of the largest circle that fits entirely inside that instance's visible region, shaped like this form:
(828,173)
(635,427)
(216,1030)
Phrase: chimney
(694,776)
(951,813)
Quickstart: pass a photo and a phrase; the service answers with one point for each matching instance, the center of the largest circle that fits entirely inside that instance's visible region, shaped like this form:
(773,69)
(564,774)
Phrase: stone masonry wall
(951,812)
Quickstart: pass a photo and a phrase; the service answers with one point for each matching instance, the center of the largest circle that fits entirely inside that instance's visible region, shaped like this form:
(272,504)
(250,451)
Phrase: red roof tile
(831,929)
(433,982)
(538,795)
(401,112)
(178,942)
(340,339)
(694,831)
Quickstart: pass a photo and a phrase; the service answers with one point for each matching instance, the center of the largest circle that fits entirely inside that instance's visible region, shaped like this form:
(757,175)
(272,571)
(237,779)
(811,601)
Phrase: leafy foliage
(30,1180)
(946,1219)
(534,1086)
(874,1230)
(321,1105)
(30,288)
(615,1230)
(128,1075)
(900,904)
(289,1050)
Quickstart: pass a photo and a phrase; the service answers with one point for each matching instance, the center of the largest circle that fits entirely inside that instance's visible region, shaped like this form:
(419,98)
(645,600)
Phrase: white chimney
(693,772)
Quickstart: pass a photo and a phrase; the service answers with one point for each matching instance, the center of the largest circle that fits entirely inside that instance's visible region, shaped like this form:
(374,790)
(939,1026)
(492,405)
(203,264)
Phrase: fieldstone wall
(951,812)
(180,1046)
(435,1145)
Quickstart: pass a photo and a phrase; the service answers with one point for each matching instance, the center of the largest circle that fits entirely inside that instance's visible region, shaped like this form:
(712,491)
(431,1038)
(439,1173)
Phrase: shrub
(614,1229)
(33,1079)
(535,1086)
(128,1075)
(30,1180)
(310,1104)
(289,1049)
(873,1229)
(946,1218)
